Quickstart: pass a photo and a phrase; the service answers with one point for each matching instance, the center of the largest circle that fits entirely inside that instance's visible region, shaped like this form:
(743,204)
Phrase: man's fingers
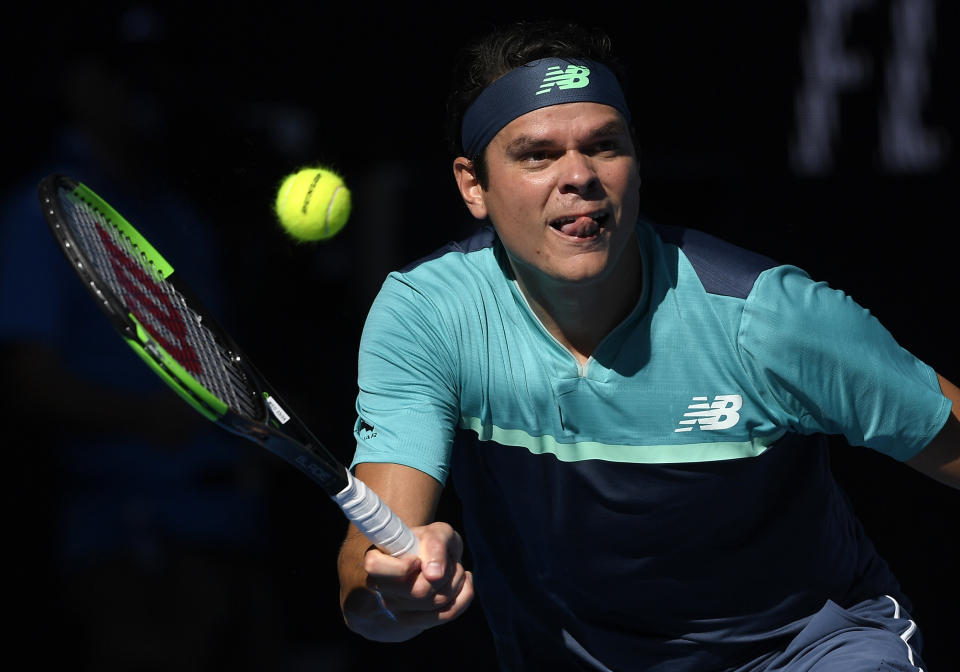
(443,614)
(380,566)
(433,582)
(440,550)
(419,595)
(448,592)
(461,602)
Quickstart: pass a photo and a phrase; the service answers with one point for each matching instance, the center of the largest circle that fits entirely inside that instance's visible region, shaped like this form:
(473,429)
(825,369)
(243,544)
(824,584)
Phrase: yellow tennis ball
(313,204)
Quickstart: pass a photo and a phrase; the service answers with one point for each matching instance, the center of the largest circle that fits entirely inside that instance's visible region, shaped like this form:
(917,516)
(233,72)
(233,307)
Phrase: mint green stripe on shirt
(592,450)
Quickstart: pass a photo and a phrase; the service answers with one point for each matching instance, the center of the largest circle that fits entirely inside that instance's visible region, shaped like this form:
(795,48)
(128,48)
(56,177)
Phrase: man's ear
(470,189)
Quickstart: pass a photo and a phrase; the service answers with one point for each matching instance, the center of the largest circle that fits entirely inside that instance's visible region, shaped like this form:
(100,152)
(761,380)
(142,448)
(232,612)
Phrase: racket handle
(381,526)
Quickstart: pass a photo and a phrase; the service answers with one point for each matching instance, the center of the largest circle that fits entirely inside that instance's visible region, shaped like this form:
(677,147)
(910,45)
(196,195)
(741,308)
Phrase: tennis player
(633,415)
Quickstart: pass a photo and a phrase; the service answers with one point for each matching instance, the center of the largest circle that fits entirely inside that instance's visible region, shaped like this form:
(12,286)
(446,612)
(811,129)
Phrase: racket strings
(162,310)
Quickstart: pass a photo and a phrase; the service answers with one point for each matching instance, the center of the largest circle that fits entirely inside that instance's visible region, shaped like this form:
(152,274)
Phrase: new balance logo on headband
(574,77)
(518,92)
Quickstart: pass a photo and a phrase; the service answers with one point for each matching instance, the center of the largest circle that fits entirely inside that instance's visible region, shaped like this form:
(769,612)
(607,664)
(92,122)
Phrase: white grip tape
(372,517)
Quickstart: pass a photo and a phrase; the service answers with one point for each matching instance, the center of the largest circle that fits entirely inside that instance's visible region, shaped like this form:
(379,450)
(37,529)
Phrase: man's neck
(580,316)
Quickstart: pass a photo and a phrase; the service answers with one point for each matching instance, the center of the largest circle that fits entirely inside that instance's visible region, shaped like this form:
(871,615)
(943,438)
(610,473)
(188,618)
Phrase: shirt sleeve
(407,401)
(827,365)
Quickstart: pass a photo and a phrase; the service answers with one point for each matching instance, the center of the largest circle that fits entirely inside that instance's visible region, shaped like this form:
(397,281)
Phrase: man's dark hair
(510,46)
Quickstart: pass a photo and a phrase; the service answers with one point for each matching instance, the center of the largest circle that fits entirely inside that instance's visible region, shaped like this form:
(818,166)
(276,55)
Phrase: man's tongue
(582,227)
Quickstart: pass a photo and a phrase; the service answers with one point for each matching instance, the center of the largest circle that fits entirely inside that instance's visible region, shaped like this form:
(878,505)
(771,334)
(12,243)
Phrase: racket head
(165,323)
(158,317)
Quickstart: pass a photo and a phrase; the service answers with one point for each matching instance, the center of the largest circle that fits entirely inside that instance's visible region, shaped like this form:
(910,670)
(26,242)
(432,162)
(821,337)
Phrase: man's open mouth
(581,226)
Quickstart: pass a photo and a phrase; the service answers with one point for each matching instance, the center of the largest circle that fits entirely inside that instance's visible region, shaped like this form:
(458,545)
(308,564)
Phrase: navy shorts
(877,635)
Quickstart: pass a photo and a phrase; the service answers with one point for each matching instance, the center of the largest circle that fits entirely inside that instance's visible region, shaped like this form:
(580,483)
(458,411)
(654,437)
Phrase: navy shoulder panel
(480,239)
(723,268)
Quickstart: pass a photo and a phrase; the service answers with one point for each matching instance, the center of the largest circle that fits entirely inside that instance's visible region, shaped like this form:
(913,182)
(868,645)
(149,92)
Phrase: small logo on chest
(721,413)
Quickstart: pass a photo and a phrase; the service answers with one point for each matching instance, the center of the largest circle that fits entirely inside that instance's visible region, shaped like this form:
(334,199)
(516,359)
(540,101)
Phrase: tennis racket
(165,323)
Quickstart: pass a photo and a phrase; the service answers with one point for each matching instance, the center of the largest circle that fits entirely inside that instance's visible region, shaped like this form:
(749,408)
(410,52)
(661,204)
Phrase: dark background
(233,99)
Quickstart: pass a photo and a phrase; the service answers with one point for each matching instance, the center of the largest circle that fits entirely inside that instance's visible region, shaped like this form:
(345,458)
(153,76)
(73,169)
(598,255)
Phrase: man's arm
(415,593)
(940,460)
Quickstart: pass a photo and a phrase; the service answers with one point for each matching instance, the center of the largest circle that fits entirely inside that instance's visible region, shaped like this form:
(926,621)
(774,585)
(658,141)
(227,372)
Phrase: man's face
(562,192)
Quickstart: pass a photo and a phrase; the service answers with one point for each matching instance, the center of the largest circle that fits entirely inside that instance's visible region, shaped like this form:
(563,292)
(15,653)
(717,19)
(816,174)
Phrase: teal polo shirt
(669,502)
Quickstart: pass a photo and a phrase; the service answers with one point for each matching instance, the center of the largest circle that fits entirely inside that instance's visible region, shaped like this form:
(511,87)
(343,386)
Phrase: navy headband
(541,83)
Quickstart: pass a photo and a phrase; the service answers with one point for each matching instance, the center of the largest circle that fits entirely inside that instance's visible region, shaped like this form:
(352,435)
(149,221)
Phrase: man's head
(546,152)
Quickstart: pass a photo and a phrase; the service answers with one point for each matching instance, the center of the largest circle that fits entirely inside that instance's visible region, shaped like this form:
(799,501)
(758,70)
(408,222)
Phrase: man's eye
(606,146)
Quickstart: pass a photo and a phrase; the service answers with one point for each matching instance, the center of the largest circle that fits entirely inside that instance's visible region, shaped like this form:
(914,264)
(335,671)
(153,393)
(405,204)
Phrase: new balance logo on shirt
(721,413)
(574,77)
